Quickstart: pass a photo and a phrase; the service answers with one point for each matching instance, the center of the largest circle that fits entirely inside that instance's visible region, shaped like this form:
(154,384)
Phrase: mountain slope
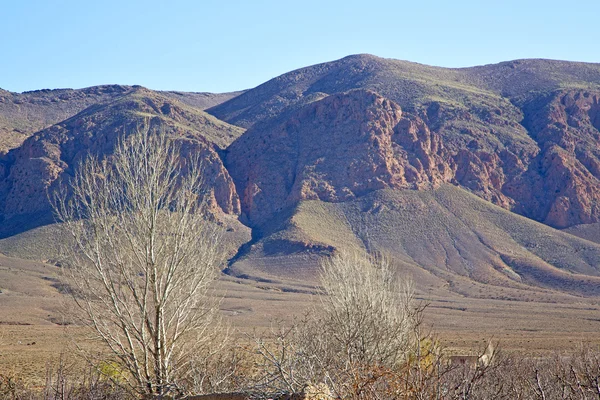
(335,149)
(409,84)
(382,155)
(446,238)
(50,156)
(201,100)
(22,114)
(522,134)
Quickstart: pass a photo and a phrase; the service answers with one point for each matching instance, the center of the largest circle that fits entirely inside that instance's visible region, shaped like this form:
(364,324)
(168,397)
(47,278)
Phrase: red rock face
(333,150)
(561,186)
(347,145)
(34,170)
(509,133)
(222,196)
(36,167)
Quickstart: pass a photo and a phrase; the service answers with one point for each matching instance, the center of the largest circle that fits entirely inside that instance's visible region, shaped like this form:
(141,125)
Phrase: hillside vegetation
(448,239)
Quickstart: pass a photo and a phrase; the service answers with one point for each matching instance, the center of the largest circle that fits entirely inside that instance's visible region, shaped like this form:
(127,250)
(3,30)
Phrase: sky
(221,46)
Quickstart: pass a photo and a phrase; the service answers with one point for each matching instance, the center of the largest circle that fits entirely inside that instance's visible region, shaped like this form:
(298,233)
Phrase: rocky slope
(335,149)
(444,238)
(365,153)
(346,145)
(561,184)
(32,171)
(521,134)
(22,114)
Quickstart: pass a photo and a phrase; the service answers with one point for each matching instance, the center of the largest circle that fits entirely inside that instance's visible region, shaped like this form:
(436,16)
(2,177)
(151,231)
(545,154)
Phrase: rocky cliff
(513,134)
(347,145)
(335,149)
(30,173)
(561,184)
(363,151)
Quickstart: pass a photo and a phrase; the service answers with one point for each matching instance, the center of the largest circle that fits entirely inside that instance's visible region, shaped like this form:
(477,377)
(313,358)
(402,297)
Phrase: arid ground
(33,339)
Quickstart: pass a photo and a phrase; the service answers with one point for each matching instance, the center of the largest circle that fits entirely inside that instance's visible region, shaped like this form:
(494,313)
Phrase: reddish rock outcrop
(51,156)
(537,154)
(498,126)
(347,145)
(335,149)
(561,186)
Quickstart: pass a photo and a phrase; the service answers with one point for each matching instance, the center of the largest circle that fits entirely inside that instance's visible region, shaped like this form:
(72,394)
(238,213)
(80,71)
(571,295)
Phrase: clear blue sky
(219,46)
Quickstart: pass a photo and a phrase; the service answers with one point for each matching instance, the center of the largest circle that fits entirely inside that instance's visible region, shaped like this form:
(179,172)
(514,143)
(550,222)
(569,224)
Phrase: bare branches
(366,310)
(361,333)
(144,257)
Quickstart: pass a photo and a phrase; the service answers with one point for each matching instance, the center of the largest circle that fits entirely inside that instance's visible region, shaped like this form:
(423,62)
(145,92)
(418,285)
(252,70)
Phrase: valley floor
(32,339)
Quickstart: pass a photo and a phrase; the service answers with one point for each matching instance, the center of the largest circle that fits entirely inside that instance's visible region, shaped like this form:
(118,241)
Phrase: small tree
(143,259)
(367,311)
(362,332)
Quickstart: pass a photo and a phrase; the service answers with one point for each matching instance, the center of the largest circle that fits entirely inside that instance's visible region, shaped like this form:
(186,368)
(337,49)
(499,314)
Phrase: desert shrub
(64,381)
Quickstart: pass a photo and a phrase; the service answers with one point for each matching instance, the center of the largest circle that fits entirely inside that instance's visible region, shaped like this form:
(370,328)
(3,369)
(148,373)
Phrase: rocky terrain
(547,169)
(335,149)
(463,175)
(32,172)
(520,134)
(22,114)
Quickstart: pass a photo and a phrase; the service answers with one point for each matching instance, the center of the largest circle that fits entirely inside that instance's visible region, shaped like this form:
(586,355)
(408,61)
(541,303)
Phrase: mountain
(44,160)
(446,239)
(335,149)
(201,100)
(22,114)
(480,182)
(353,171)
(412,85)
(521,134)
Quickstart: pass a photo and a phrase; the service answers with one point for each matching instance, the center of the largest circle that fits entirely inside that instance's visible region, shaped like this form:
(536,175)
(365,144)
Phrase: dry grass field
(462,324)
(32,339)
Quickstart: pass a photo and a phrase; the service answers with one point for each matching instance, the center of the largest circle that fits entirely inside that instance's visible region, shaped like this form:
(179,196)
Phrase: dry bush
(64,381)
(362,331)
(562,376)
(225,371)
(367,312)
(13,387)
(516,377)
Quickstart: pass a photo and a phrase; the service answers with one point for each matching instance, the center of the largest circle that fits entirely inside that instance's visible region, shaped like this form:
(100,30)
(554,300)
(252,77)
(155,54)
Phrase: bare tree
(357,339)
(367,311)
(143,259)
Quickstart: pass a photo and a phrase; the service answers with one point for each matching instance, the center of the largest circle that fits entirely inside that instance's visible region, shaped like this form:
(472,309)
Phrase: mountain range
(479,181)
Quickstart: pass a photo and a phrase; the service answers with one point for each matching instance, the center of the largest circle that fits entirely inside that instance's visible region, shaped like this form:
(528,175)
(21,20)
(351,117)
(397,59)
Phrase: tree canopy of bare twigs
(144,258)
(367,311)
(364,324)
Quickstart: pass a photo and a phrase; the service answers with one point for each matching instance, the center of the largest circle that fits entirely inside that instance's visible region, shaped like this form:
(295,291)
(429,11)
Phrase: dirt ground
(32,339)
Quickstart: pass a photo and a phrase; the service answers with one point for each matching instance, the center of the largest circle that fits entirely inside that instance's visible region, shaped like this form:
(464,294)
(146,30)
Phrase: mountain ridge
(47,158)
(500,144)
(22,114)
(360,138)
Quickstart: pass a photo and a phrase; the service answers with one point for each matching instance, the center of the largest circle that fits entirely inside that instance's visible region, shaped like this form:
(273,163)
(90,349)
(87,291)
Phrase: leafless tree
(361,332)
(367,311)
(143,259)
